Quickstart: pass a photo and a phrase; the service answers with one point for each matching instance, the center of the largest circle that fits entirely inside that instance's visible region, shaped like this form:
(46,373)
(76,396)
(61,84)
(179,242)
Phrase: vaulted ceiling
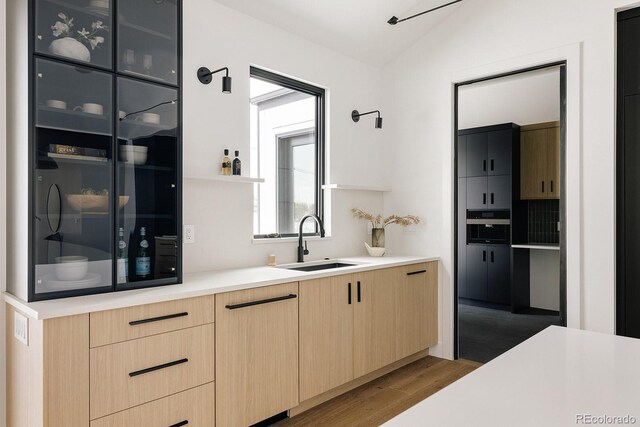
(357,28)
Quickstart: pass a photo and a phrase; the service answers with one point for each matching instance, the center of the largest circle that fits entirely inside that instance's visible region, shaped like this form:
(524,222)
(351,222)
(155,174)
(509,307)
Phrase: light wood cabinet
(192,408)
(540,161)
(374,320)
(416,308)
(139,371)
(326,334)
(355,324)
(112,326)
(257,354)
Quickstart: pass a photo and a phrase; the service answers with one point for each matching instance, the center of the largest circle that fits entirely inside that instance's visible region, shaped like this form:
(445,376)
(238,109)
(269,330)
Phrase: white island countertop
(559,377)
(199,284)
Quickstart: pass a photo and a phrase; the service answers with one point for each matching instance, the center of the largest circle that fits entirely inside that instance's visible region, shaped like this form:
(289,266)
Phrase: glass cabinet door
(147,176)
(73,204)
(148,39)
(78,30)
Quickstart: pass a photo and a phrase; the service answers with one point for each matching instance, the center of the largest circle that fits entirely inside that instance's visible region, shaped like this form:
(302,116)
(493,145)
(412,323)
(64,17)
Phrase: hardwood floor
(382,399)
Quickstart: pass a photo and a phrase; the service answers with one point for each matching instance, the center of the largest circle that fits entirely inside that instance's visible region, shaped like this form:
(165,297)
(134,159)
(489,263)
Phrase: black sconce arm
(355,115)
(210,73)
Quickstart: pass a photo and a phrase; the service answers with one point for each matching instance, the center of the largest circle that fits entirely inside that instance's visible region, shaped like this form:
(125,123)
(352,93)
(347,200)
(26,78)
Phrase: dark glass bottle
(226,164)
(143,260)
(237,165)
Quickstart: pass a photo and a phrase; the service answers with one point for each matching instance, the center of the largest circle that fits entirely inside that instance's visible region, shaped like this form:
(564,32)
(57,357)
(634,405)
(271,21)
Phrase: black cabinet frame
(32,154)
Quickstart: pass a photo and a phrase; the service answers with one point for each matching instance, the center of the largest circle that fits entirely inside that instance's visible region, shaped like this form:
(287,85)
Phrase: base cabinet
(257,357)
(354,324)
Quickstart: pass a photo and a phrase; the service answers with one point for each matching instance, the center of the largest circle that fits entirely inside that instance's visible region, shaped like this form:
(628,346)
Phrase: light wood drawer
(112,326)
(127,374)
(192,408)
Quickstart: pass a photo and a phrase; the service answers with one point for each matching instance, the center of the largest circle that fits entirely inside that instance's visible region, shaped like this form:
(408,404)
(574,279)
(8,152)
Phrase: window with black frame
(287,146)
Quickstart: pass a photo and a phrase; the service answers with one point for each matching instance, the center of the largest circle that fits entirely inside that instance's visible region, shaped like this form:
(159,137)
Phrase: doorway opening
(510,209)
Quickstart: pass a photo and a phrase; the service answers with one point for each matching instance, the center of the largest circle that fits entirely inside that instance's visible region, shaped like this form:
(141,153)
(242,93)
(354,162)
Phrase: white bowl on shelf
(134,154)
(92,204)
(71,268)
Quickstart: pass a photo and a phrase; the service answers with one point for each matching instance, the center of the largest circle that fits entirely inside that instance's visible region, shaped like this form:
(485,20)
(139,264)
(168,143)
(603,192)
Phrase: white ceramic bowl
(374,251)
(70,268)
(135,154)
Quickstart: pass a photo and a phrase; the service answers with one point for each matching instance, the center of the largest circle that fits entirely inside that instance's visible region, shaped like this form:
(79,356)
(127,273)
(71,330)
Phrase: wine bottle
(237,165)
(123,259)
(226,163)
(143,260)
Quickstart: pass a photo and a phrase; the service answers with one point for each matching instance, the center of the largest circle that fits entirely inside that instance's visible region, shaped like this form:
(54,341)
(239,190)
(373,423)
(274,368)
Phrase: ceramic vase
(70,48)
(377,237)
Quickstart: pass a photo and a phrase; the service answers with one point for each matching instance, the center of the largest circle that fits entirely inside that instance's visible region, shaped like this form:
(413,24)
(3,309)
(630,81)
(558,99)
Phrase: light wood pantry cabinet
(355,324)
(257,354)
(540,161)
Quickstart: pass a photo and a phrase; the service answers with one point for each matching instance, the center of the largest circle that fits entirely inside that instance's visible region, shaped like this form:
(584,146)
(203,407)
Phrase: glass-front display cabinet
(107,149)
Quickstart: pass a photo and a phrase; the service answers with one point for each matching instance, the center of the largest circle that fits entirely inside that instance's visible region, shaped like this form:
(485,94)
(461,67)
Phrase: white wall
(216,36)
(421,123)
(532,97)
(523,99)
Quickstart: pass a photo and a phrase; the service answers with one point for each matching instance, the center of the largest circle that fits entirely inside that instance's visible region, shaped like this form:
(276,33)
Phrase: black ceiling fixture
(204,75)
(355,116)
(394,20)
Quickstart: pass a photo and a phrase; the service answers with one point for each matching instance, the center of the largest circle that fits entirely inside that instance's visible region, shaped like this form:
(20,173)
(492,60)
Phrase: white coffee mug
(150,118)
(91,108)
(56,103)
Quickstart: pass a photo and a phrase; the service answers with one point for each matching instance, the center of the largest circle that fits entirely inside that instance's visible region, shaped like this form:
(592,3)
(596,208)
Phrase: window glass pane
(284,153)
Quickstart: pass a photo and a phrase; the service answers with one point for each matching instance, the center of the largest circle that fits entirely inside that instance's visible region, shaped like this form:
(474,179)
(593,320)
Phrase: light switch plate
(21,328)
(189,234)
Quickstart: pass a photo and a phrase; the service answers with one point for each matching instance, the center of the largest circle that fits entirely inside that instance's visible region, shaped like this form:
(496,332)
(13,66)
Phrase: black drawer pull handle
(543,186)
(491,164)
(262,301)
(157,368)
(416,272)
(484,256)
(359,299)
(484,198)
(551,186)
(492,198)
(493,258)
(484,165)
(180,424)
(349,294)
(157,319)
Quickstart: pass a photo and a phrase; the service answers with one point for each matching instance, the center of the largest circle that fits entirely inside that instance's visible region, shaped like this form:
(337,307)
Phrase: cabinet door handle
(180,424)
(492,256)
(484,198)
(157,368)
(484,256)
(484,165)
(492,198)
(416,272)
(359,299)
(491,164)
(551,184)
(158,319)
(543,186)
(349,294)
(262,301)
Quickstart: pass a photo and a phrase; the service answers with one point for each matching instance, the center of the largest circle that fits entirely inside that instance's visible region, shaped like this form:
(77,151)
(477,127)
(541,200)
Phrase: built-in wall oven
(489,227)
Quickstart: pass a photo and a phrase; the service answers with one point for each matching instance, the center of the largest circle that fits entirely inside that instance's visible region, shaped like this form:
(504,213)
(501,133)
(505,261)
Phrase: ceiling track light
(355,116)
(394,20)
(204,75)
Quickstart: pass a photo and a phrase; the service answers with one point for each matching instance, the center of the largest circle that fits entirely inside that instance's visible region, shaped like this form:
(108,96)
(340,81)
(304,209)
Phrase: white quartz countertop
(199,284)
(549,380)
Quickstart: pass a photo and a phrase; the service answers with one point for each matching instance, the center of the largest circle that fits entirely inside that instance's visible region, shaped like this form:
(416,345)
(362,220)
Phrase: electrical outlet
(189,233)
(21,328)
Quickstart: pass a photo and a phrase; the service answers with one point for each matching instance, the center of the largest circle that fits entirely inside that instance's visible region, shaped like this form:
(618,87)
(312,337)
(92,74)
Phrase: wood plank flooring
(378,401)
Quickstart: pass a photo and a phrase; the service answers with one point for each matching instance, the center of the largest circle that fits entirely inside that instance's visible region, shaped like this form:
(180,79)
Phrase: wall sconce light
(355,116)
(204,75)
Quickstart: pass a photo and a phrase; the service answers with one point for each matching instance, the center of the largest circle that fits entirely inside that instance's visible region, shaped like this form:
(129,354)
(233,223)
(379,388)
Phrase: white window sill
(267,241)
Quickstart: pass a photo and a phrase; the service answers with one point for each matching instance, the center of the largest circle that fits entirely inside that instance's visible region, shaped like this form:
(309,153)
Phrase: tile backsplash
(543,218)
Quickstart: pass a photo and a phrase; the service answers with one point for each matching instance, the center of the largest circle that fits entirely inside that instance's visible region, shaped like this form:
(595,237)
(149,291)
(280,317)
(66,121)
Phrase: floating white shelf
(354,188)
(226,178)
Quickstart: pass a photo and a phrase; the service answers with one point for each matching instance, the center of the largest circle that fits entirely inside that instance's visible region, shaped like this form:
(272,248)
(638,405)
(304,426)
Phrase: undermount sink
(316,267)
